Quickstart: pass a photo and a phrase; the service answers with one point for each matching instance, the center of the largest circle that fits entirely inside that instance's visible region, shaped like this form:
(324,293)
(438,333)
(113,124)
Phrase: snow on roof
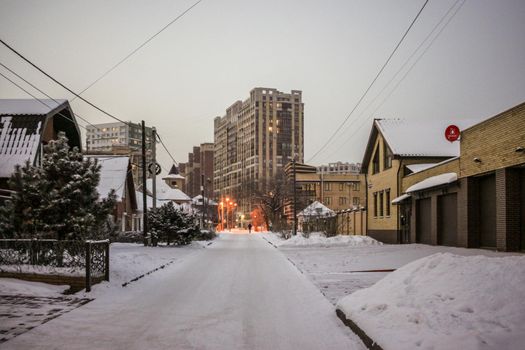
(421,137)
(28,106)
(113,173)
(166,193)
(401,198)
(415,168)
(433,181)
(19,141)
(198,199)
(316,209)
(173,176)
(149,201)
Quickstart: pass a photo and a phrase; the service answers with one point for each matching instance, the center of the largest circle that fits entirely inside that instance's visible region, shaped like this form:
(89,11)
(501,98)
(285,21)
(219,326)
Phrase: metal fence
(89,259)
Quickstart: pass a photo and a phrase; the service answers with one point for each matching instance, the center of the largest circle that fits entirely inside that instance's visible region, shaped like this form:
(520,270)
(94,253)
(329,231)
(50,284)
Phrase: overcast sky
(221,49)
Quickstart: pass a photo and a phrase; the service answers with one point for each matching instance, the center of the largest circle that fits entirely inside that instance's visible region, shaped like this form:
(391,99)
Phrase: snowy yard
(25,305)
(437,297)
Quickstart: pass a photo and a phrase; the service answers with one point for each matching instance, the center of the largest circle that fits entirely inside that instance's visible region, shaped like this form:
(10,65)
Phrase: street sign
(452,133)
(155,166)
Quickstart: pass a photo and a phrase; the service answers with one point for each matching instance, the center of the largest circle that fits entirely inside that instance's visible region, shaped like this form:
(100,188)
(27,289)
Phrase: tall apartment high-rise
(120,138)
(254,140)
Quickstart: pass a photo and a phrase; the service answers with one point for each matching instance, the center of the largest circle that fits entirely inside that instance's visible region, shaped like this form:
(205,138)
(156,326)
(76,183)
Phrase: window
(327,186)
(328,201)
(380,203)
(387,202)
(355,201)
(375,162)
(341,187)
(375,204)
(388,158)
(355,186)
(342,200)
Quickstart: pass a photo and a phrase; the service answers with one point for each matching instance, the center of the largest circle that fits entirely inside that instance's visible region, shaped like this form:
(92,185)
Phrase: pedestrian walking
(249,228)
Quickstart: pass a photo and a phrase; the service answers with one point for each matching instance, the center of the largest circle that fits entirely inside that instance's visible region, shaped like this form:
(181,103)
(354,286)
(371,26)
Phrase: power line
(42,92)
(402,68)
(373,81)
(59,83)
(36,98)
(137,49)
(163,145)
(71,91)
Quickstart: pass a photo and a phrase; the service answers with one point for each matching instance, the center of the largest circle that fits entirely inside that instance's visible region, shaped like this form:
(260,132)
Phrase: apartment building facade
(254,140)
(120,139)
(200,162)
(340,168)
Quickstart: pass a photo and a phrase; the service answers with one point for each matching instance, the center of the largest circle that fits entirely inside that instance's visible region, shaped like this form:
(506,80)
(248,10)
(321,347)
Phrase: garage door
(448,219)
(423,221)
(487,211)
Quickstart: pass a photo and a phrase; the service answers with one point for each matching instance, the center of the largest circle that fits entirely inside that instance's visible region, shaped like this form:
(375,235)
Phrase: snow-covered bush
(58,199)
(169,224)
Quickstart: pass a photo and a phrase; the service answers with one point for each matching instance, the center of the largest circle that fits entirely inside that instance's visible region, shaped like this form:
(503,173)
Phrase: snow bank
(318,239)
(12,286)
(445,301)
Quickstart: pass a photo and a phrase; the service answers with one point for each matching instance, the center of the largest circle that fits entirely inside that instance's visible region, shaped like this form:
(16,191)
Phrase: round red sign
(452,133)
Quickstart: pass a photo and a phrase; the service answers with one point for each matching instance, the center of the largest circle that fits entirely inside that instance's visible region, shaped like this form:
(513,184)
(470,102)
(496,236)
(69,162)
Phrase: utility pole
(144,187)
(294,199)
(202,204)
(153,143)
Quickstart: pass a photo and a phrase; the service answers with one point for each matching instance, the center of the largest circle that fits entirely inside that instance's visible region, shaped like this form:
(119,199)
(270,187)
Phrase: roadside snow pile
(318,239)
(12,286)
(445,301)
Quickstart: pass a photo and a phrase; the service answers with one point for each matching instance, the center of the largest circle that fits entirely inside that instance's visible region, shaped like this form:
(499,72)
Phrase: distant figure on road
(249,228)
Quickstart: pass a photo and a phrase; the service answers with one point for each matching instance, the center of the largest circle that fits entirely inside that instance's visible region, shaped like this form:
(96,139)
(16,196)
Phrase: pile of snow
(445,301)
(318,239)
(12,286)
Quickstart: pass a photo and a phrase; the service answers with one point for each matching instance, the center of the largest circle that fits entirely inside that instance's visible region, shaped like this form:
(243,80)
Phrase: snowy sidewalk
(239,293)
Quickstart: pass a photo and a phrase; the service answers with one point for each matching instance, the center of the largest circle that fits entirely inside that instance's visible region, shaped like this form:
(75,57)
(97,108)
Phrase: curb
(147,273)
(369,343)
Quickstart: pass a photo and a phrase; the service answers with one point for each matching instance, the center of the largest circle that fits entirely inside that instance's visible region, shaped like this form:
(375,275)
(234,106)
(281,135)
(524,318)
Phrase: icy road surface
(238,293)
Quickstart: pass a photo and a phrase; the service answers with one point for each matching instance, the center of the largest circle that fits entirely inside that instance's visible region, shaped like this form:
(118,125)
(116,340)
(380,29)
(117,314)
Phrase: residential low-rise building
(475,200)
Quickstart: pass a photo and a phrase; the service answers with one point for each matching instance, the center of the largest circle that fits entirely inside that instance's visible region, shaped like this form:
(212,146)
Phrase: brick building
(396,148)
(478,198)
(200,162)
(337,191)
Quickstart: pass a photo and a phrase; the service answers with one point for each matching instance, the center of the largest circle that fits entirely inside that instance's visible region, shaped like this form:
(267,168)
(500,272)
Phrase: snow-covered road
(239,293)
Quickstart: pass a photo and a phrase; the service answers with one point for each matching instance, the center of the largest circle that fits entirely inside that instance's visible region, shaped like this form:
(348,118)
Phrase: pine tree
(59,199)
(167,223)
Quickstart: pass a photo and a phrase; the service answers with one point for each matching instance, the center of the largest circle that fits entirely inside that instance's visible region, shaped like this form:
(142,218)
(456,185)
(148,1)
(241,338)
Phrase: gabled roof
(316,209)
(22,125)
(166,193)
(415,137)
(113,175)
(29,106)
(149,200)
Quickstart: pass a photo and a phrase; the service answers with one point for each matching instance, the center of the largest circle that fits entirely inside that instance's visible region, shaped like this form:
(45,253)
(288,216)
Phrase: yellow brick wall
(494,142)
(448,167)
(383,180)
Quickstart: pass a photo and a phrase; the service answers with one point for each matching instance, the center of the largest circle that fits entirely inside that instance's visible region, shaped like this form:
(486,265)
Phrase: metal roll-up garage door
(423,226)
(448,219)
(487,211)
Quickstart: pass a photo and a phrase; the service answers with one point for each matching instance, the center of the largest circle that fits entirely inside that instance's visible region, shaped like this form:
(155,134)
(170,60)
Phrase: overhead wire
(42,92)
(137,48)
(36,98)
(373,81)
(383,101)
